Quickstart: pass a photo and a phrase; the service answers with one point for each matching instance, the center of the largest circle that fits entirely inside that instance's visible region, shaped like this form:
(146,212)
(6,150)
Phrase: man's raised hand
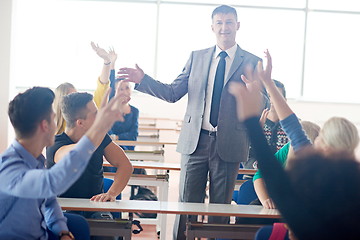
(134,75)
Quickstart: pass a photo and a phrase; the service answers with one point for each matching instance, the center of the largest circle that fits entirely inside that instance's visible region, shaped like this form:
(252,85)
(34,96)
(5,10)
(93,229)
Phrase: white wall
(5,29)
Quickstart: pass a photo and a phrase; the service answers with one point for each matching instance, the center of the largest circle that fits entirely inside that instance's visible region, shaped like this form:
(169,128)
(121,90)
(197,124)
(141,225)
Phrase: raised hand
(112,55)
(263,116)
(265,75)
(248,96)
(134,75)
(100,52)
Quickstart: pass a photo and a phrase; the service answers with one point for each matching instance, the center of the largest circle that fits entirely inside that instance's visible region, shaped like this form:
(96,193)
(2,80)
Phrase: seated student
(27,190)
(127,129)
(60,91)
(79,111)
(67,88)
(275,135)
(312,131)
(313,195)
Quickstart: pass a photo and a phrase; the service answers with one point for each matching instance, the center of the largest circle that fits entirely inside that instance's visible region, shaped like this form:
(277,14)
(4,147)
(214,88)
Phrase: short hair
(224,9)
(73,107)
(61,91)
(311,129)
(328,187)
(340,134)
(29,108)
(280,85)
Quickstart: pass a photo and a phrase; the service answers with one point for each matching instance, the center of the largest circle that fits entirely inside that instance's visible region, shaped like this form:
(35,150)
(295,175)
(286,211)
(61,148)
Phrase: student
(121,130)
(79,111)
(67,88)
(212,141)
(27,190)
(275,135)
(312,131)
(61,91)
(318,195)
(128,129)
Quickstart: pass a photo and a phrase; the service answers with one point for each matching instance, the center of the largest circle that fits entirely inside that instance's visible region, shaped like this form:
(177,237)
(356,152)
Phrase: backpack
(145,194)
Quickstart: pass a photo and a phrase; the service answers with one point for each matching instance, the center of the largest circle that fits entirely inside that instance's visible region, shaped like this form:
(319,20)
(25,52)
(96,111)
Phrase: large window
(315,47)
(332,58)
(52,39)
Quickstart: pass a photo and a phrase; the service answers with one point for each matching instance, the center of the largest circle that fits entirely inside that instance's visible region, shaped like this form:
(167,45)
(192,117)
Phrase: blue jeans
(77,225)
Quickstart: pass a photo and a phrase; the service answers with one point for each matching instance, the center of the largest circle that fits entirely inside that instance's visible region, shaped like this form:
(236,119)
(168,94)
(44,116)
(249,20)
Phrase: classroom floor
(171,156)
(149,233)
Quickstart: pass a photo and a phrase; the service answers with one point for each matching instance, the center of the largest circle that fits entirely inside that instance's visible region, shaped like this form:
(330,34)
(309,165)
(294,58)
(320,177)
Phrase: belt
(209,133)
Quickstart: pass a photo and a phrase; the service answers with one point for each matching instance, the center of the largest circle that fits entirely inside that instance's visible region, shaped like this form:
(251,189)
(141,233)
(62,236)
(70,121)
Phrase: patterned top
(275,135)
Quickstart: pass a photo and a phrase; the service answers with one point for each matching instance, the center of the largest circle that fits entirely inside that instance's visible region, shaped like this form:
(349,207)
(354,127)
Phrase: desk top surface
(170,166)
(151,165)
(250,211)
(137,143)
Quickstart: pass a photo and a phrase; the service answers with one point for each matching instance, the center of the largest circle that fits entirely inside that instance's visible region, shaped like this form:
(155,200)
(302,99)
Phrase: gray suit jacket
(232,141)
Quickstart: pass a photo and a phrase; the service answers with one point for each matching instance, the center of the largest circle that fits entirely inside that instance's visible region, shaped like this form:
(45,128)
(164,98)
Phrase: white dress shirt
(211,78)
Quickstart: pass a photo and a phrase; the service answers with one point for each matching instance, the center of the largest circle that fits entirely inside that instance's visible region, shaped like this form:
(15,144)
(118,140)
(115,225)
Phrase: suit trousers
(196,169)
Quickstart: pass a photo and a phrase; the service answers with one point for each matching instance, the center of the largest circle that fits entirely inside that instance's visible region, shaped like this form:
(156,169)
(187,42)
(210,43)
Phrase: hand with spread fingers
(112,57)
(265,75)
(101,52)
(103,197)
(134,75)
(248,97)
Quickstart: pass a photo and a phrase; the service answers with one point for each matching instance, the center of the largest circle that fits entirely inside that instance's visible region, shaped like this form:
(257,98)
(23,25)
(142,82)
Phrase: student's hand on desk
(134,75)
(103,197)
(268,204)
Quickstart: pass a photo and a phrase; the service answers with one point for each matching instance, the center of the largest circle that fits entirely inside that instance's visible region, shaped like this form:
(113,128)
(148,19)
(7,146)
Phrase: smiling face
(123,88)
(225,26)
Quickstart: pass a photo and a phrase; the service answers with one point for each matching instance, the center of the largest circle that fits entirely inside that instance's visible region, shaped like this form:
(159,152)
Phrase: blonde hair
(340,134)
(61,91)
(311,129)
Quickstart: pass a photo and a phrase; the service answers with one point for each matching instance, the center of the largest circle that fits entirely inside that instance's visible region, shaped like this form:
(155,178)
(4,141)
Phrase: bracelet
(107,63)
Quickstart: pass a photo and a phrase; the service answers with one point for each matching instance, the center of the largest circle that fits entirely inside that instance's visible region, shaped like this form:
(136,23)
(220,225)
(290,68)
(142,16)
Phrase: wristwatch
(66,233)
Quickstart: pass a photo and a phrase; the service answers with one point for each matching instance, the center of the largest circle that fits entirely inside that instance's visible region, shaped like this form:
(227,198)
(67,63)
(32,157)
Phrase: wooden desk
(156,155)
(159,180)
(138,143)
(171,166)
(247,171)
(156,129)
(160,207)
(163,207)
(151,165)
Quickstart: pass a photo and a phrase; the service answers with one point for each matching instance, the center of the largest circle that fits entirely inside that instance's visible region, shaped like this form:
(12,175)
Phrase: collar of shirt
(230,52)
(30,159)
